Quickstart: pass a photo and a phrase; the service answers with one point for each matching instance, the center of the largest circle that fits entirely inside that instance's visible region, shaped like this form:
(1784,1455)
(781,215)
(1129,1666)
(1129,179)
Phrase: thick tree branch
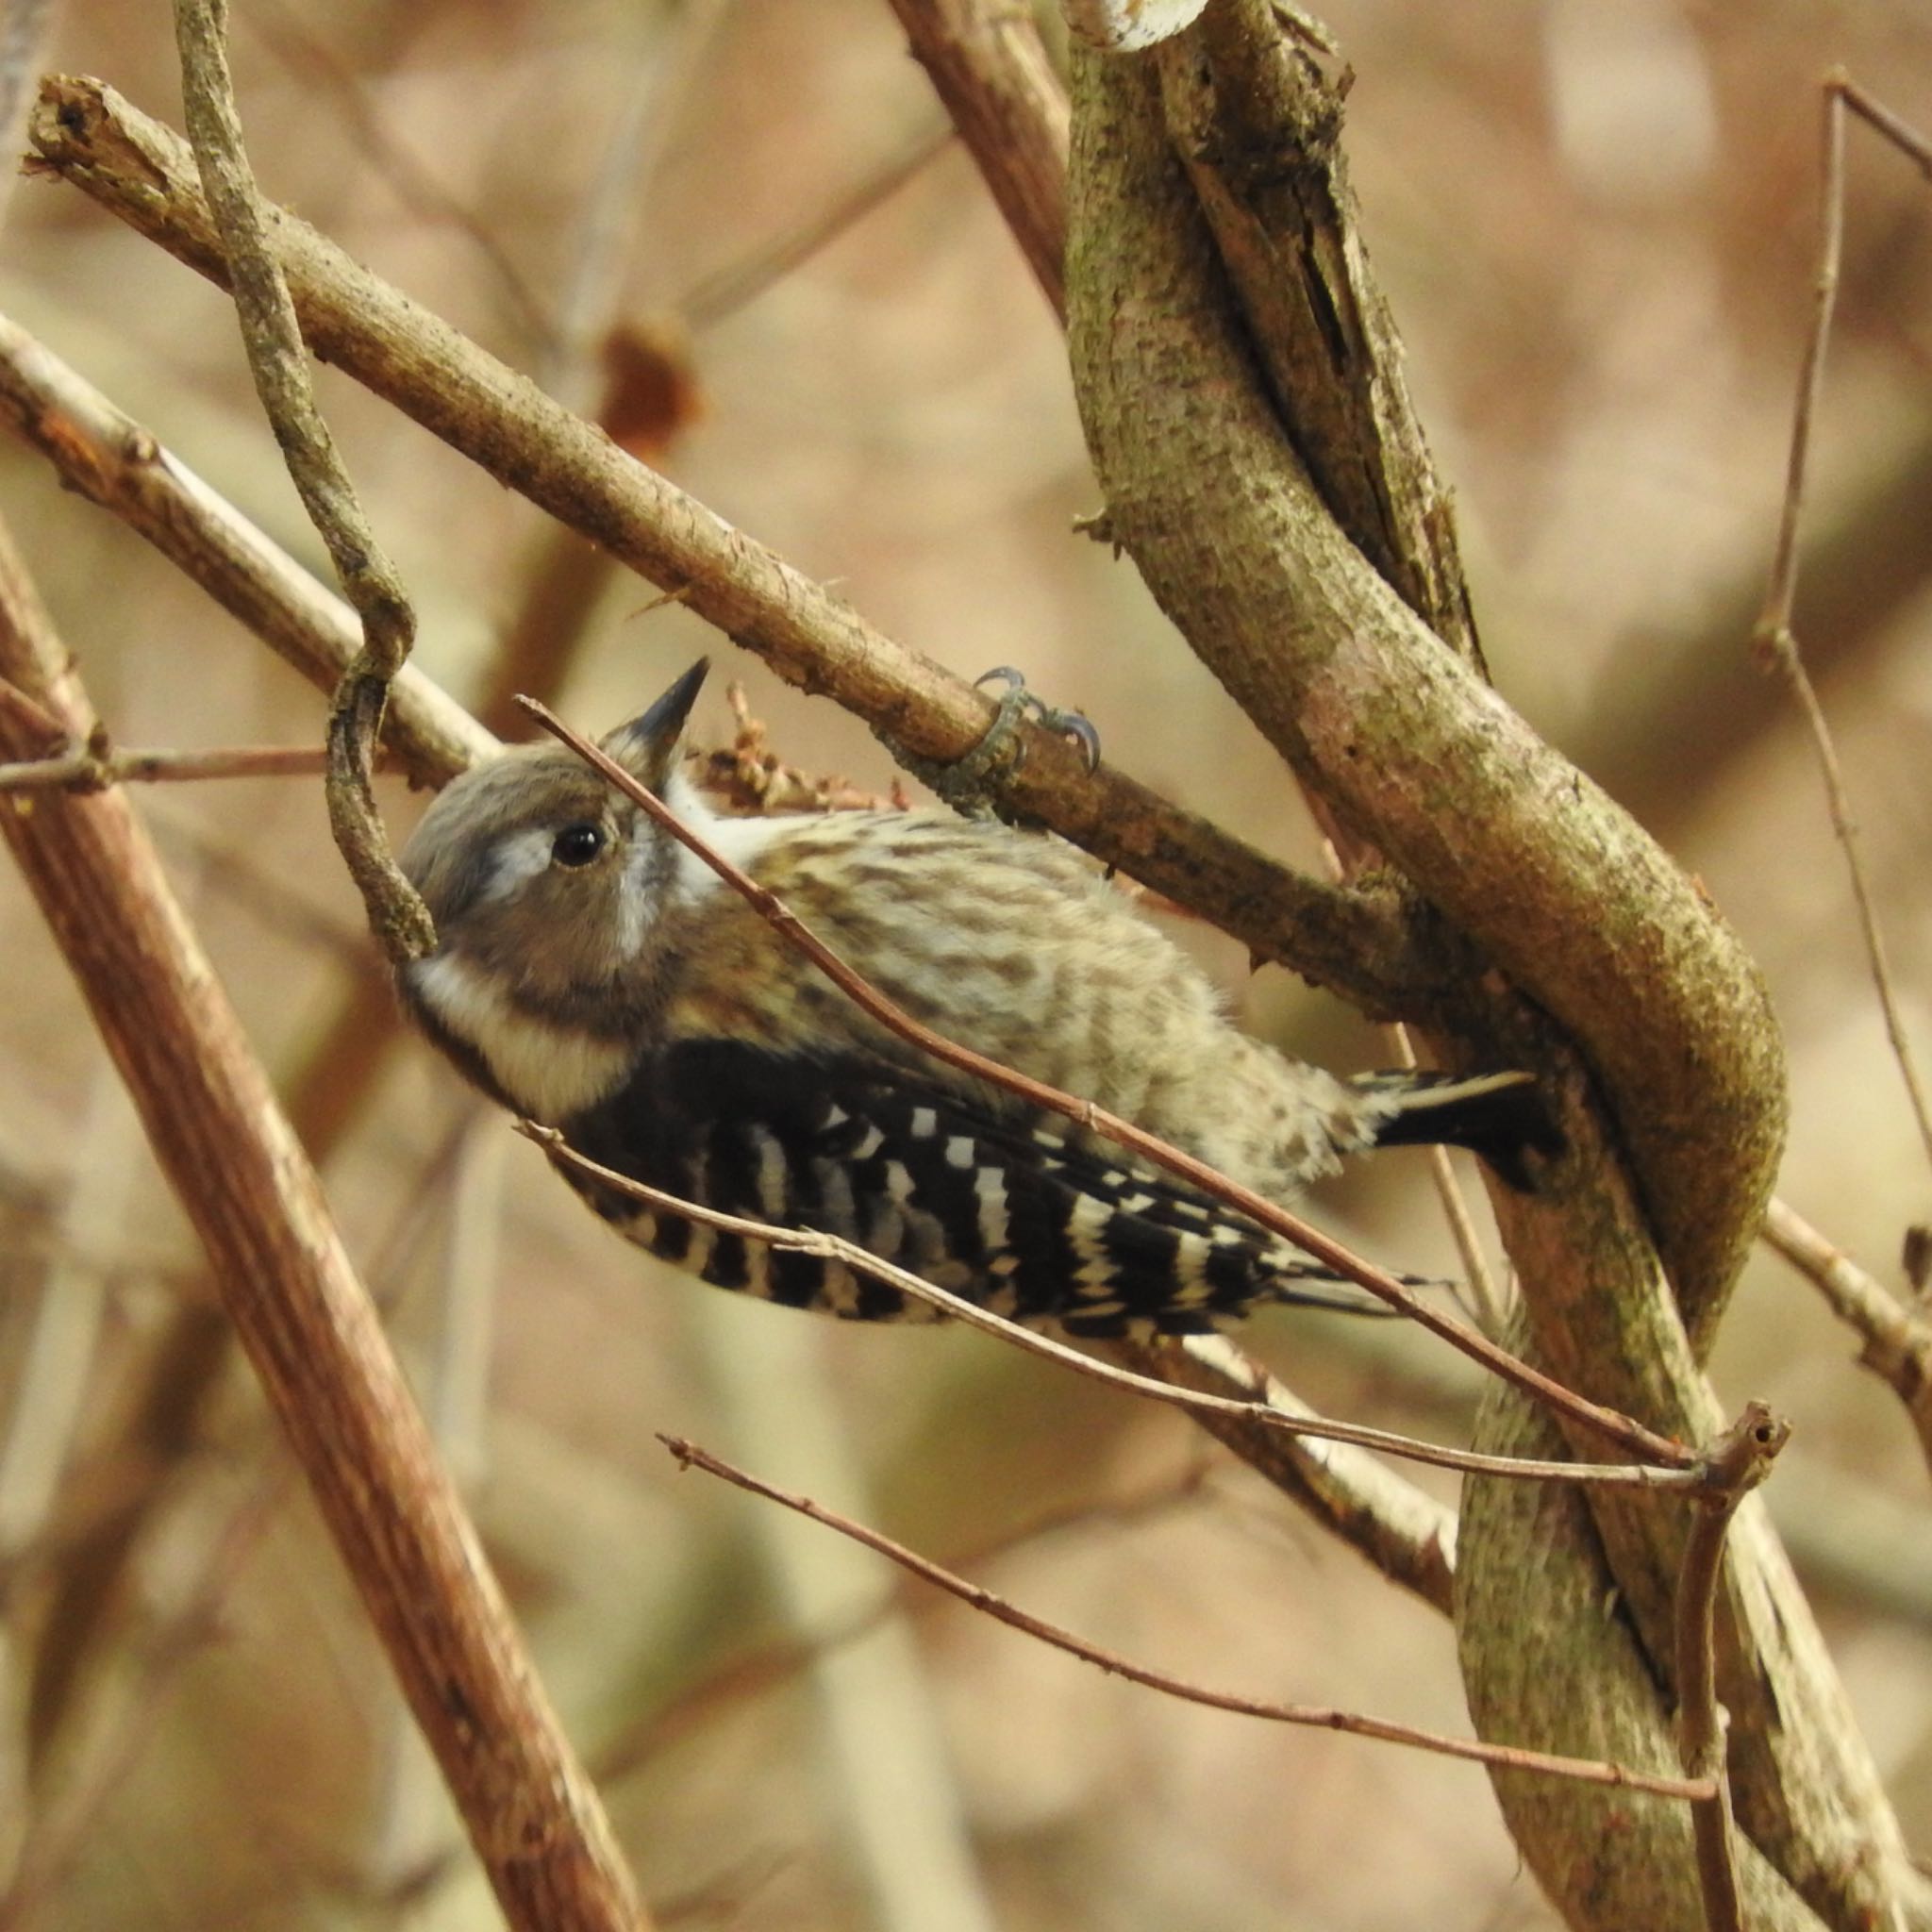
(1205,487)
(307,1323)
(1364,943)
(1414,751)
(1255,116)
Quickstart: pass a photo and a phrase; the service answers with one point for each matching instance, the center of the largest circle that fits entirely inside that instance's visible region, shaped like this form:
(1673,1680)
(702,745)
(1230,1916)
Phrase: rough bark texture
(1665,1017)
(1362,941)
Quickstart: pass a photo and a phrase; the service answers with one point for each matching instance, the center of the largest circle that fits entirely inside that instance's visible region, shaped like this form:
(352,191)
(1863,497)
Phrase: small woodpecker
(593,974)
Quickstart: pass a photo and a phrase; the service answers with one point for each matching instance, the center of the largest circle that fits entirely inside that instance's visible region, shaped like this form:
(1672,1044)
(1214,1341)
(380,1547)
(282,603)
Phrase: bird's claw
(1018,702)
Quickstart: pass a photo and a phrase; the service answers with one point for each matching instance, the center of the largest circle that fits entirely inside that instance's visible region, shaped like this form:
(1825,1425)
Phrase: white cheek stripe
(517,858)
(550,1071)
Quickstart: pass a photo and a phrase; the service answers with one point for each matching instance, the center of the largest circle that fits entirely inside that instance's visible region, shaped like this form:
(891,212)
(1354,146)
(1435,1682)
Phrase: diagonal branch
(103,455)
(306,1323)
(1501,1756)
(1897,1337)
(988,66)
(1364,943)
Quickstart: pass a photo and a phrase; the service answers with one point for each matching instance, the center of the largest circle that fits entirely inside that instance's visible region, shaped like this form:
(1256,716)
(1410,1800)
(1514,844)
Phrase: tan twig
(1774,639)
(1627,1433)
(1364,943)
(316,1342)
(1875,113)
(1588,1771)
(807,1241)
(1897,1339)
(279,365)
(107,456)
(986,64)
(1738,1460)
(747,1676)
(88,771)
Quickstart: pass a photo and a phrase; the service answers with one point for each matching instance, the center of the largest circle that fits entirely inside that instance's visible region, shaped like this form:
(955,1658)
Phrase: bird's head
(545,883)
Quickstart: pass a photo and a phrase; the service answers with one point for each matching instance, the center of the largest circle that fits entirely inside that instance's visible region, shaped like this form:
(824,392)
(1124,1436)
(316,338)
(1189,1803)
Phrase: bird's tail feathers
(1502,1117)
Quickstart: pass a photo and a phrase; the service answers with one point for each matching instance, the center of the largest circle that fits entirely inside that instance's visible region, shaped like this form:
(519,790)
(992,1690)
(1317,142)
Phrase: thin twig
(279,365)
(1507,1757)
(1897,1339)
(1774,639)
(1628,1434)
(86,771)
(1875,113)
(831,1247)
(746,1677)
(1738,1460)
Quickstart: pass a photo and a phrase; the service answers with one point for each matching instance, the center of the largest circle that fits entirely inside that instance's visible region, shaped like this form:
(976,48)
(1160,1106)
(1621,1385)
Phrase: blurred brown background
(1596,229)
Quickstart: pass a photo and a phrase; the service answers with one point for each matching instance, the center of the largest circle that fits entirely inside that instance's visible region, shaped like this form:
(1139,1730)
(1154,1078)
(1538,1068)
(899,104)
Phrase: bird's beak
(647,746)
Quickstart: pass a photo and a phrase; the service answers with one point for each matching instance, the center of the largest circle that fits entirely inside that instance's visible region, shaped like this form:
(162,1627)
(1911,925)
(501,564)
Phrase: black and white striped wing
(1021,1220)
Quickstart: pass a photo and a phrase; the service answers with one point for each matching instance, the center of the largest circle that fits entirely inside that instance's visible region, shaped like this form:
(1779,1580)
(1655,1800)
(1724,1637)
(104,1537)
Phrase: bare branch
(986,64)
(1505,1756)
(109,458)
(307,1326)
(1271,180)
(1738,1463)
(1898,1339)
(272,338)
(1774,639)
(1365,943)
(88,771)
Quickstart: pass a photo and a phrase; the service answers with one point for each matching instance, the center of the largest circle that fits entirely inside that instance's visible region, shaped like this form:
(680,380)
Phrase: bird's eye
(577,844)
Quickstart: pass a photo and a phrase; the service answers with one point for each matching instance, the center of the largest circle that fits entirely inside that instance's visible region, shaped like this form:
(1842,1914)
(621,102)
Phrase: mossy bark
(1664,1054)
